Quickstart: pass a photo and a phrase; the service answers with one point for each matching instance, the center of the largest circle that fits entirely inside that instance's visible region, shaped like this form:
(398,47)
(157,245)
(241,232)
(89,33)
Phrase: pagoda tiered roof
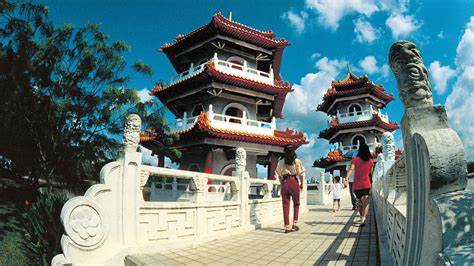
(351,85)
(209,73)
(203,128)
(376,121)
(333,157)
(224,26)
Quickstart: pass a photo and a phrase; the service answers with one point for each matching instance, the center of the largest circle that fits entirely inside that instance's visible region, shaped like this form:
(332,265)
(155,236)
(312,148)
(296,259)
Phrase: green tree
(63,98)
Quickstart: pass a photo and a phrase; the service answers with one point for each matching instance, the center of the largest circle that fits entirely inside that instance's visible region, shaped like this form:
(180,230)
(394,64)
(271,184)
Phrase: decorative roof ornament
(411,74)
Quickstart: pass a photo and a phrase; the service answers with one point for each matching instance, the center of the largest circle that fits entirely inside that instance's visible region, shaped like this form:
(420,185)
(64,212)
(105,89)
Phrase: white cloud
(144,95)
(440,76)
(369,64)
(459,107)
(330,12)
(315,55)
(402,25)
(297,21)
(465,49)
(440,35)
(300,110)
(365,32)
(459,101)
(384,70)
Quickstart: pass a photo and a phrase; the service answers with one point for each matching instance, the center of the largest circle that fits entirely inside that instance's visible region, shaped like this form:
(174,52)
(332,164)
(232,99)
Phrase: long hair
(290,156)
(364,152)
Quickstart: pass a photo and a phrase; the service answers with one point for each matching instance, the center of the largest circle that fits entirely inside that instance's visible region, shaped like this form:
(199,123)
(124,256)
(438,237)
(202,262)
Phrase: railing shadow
(333,252)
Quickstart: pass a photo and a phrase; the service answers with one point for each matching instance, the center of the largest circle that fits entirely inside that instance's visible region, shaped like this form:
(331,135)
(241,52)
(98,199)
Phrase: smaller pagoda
(353,106)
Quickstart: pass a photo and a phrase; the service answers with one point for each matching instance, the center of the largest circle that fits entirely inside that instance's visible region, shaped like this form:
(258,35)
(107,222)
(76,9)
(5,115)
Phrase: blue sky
(324,36)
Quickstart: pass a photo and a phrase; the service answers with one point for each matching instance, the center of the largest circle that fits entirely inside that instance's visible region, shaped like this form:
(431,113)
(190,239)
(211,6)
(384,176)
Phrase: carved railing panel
(114,218)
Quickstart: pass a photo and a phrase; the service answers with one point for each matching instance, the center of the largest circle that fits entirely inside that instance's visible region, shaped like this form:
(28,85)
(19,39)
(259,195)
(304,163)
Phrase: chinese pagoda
(353,106)
(228,93)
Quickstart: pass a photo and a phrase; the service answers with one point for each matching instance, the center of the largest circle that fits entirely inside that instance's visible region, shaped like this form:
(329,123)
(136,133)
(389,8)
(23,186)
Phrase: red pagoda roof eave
(376,121)
(280,138)
(328,100)
(233,28)
(211,72)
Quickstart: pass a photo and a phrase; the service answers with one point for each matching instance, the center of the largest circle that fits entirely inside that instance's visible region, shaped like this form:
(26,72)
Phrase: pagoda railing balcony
(362,115)
(347,148)
(227,122)
(231,68)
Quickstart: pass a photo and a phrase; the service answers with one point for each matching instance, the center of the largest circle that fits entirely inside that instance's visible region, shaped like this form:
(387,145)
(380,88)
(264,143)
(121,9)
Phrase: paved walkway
(325,238)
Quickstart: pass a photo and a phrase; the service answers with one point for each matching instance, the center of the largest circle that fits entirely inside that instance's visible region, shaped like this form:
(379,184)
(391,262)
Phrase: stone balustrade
(113,218)
(228,122)
(231,68)
(362,115)
(423,210)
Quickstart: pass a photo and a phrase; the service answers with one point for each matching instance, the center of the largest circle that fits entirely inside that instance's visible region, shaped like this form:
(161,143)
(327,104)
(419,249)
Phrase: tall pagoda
(228,93)
(353,106)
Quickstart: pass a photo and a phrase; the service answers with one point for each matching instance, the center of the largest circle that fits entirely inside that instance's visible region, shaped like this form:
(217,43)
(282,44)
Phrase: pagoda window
(235,110)
(237,62)
(358,140)
(354,109)
(197,110)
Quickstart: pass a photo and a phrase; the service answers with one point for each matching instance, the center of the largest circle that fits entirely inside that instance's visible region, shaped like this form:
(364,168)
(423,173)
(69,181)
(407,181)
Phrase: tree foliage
(63,98)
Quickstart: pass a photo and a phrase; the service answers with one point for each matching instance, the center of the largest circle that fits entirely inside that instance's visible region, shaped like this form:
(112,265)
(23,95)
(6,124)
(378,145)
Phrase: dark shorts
(336,200)
(362,192)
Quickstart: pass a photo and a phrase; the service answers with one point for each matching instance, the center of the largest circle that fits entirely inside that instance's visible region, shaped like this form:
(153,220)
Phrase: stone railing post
(131,160)
(435,165)
(103,223)
(199,186)
(243,176)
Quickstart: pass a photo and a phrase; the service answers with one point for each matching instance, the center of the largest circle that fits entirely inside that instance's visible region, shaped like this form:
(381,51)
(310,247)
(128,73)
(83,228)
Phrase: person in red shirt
(362,166)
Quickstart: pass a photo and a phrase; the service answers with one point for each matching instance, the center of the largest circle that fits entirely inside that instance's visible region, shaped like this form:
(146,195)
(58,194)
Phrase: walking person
(337,187)
(287,172)
(362,166)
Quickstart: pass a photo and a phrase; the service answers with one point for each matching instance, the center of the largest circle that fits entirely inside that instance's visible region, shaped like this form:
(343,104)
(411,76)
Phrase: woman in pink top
(362,166)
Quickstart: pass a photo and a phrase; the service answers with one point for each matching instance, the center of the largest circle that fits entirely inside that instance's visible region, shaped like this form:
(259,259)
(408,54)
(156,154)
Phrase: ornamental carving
(83,224)
(388,146)
(240,159)
(199,183)
(411,74)
(144,175)
(131,132)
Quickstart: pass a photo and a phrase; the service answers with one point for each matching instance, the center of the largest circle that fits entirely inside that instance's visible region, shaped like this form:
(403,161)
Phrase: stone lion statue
(411,74)
(131,132)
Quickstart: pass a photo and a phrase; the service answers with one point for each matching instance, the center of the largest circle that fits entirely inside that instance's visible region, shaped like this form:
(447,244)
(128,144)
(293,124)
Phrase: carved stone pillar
(435,161)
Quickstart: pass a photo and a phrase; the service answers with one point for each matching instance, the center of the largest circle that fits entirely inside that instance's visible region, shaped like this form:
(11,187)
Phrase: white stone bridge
(421,213)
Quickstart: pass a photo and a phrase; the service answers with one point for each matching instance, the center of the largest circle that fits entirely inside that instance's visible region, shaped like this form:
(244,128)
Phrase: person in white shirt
(337,187)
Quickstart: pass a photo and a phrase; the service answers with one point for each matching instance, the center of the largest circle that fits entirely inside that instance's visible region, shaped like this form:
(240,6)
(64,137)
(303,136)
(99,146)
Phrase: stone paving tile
(325,238)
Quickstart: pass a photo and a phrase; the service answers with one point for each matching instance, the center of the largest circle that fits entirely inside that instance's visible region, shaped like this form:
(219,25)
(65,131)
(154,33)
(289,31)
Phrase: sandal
(295,228)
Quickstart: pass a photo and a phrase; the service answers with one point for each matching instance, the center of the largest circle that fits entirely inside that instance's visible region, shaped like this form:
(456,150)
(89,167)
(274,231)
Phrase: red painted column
(272,165)
(208,164)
